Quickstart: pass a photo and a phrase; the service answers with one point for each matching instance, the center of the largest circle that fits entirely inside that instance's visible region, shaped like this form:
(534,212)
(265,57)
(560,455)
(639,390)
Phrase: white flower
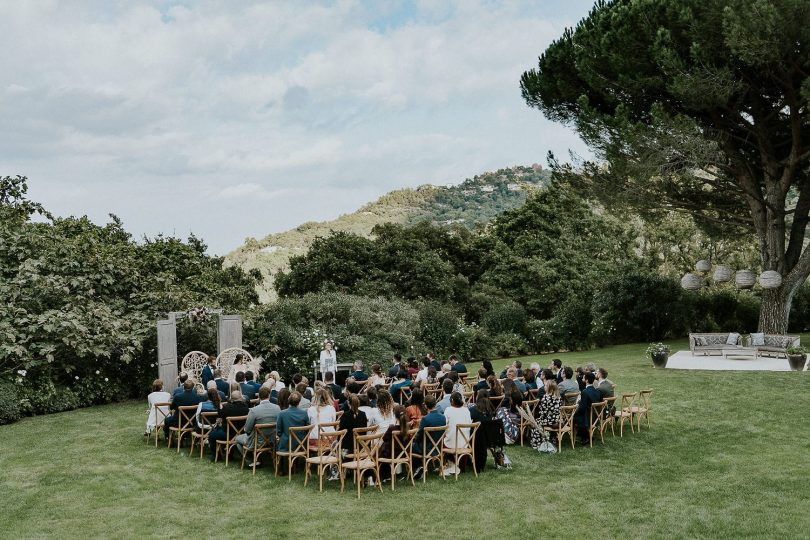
(106,379)
(22,372)
(98,372)
(151,365)
(77,377)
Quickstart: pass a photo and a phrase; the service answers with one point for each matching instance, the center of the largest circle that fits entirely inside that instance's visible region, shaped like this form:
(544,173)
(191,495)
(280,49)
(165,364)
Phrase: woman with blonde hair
(320,412)
(385,406)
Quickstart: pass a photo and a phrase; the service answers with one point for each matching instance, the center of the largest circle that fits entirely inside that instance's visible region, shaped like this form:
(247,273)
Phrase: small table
(741,352)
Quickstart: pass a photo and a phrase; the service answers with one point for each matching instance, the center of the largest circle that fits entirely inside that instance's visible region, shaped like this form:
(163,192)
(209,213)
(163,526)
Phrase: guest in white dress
(320,412)
(456,414)
(328,360)
(239,365)
(157,396)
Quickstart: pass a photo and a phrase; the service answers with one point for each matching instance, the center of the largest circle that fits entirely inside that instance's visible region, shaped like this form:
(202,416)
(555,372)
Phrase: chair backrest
(161,412)
(234,426)
(531,406)
(432,440)
(193,363)
(571,397)
(465,435)
(254,402)
(567,415)
(267,434)
(628,400)
(226,358)
(338,415)
(496,401)
(367,446)
(532,392)
(299,439)
(404,395)
(329,443)
(469,397)
(186,416)
(429,387)
(598,411)
(644,398)
(208,420)
(401,445)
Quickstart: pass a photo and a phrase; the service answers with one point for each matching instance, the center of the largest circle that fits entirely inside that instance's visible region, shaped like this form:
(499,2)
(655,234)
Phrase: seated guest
(352,418)
(181,380)
(548,414)
(421,376)
(185,398)
(508,411)
(604,386)
(352,387)
(158,395)
(320,412)
(582,418)
(372,397)
(358,374)
(487,365)
(416,408)
(567,384)
(402,381)
(394,369)
(432,377)
(222,385)
(555,366)
(304,403)
(482,381)
(511,374)
(445,370)
(518,371)
(248,391)
(447,389)
(456,414)
(535,368)
(212,404)
(457,366)
(376,376)
(413,368)
(373,416)
(580,378)
(433,362)
(457,386)
(385,406)
(283,398)
(337,391)
(235,406)
(288,418)
(249,379)
(279,383)
(495,388)
(263,413)
(483,412)
(433,418)
(213,384)
(529,379)
(208,371)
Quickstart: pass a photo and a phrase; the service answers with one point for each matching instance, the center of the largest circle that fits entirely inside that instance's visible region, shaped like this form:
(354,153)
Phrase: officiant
(328,360)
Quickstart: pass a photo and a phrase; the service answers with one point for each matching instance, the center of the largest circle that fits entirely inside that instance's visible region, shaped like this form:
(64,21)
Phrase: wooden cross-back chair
(161,411)
(365,458)
(299,448)
(328,453)
(429,387)
(367,430)
(624,412)
(571,398)
(185,424)
(565,426)
(643,407)
(496,401)
(469,397)
(462,377)
(234,425)
(532,393)
(609,416)
(531,407)
(264,442)
(405,395)
(400,455)
(464,446)
(597,417)
(432,440)
(207,422)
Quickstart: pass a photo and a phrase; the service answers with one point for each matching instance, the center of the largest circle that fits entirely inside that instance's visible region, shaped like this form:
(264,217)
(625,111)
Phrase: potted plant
(797,357)
(659,353)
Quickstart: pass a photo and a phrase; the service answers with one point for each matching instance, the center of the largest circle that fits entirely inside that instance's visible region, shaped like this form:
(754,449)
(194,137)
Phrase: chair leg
(377,475)
(393,475)
(475,469)
(227,452)
(321,472)
(410,471)
(276,461)
(307,467)
(255,459)
(424,469)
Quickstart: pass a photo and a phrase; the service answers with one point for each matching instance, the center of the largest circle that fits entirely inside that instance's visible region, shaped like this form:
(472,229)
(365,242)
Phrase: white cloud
(160,113)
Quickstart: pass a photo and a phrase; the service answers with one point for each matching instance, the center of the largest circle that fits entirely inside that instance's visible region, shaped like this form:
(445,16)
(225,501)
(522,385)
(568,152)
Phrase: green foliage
(509,344)
(721,310)
(438,323)
(507,317)
(472,343)
(9,403)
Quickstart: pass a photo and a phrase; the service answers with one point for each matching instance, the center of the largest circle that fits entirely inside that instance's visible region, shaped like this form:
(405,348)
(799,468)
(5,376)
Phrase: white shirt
(321,415)
(454,416)
(373,416)
(422,375)
(386,421)
(156,397)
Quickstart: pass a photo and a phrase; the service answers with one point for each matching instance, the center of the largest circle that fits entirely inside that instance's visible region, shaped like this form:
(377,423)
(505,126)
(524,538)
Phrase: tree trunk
(775,309)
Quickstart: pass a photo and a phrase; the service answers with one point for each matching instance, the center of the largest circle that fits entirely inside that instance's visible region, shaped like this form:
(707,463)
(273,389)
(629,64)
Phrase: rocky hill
(475,201)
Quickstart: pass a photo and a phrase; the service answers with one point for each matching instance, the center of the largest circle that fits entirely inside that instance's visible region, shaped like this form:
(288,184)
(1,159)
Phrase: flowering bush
(656,349)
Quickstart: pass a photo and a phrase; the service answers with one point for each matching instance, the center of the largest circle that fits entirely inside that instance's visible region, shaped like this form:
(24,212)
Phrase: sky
(237,119)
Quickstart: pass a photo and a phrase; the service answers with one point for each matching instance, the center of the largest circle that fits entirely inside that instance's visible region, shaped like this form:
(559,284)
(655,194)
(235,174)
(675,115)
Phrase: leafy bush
(506,317)
(721,310)
(509,344)
(438,322)
(471,342)
(9,403)
(544,336)
(42,396)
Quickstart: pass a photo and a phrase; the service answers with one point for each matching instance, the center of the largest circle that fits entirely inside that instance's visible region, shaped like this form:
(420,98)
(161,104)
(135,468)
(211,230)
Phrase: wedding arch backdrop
(229,335)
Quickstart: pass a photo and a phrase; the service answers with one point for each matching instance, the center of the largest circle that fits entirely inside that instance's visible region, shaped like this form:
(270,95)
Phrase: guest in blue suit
(248,391)
(589,396)
(208,371)
(289,418)
(432,419)
(186,397)
(457,366)
(250,379)
(222,385)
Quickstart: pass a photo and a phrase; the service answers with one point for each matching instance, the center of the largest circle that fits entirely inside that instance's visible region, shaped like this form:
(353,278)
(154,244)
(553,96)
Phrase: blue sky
(236,119)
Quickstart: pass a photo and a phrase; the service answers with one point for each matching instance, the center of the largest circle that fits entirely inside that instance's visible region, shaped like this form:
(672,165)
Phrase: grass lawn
(727,457)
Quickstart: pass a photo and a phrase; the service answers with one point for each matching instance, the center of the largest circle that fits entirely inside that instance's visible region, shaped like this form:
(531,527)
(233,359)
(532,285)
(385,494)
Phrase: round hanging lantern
(703,266)
(744,279)
(691,282)
(770,279)
(722,274)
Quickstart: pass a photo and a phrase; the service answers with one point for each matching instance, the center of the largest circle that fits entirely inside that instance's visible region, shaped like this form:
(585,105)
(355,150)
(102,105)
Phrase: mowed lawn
(728,456)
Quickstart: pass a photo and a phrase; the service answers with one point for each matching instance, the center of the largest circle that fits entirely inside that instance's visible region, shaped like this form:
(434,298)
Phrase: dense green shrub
(509,344)
(438,323)
(505,317)
(471,342)
(9,403)
(800,310)
(721,310)
(41,396)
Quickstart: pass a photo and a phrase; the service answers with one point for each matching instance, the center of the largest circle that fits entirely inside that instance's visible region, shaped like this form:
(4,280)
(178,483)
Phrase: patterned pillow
(787,342)
(733,337)
(758,339)
(700,341)
(716,340)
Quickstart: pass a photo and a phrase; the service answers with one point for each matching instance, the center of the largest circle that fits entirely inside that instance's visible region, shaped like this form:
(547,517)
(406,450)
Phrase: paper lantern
(770,279)
(722,274)
(691,282)
(703,266)
(744,279)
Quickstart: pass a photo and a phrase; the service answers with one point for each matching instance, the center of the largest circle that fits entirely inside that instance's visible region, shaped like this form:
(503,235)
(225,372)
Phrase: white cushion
(733,337)
(758,339)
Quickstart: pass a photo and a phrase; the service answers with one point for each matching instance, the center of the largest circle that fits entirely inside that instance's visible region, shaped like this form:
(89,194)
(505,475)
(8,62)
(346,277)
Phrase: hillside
(475,201)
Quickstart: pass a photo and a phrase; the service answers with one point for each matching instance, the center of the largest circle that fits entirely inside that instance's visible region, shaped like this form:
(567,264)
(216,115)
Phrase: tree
(698,106)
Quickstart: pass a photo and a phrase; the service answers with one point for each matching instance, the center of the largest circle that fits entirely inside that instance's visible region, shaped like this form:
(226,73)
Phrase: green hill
(475,201)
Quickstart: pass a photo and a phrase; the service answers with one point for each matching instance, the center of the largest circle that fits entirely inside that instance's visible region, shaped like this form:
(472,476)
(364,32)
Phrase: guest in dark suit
(208,371)
(392,372)
(589,396)
(457,366)
(181,380)
(250,379)
(337,391)
(580,378)
(483,412)
(433,362)
(556,368)
(222,385)
(432,419)
(236,406)
(482,381)
(186,397)
(248,391)
(290,417)
(358,374)
(352,418)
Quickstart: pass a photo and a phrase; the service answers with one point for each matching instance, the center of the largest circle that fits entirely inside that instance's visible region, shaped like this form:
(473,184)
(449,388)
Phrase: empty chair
(366,458)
